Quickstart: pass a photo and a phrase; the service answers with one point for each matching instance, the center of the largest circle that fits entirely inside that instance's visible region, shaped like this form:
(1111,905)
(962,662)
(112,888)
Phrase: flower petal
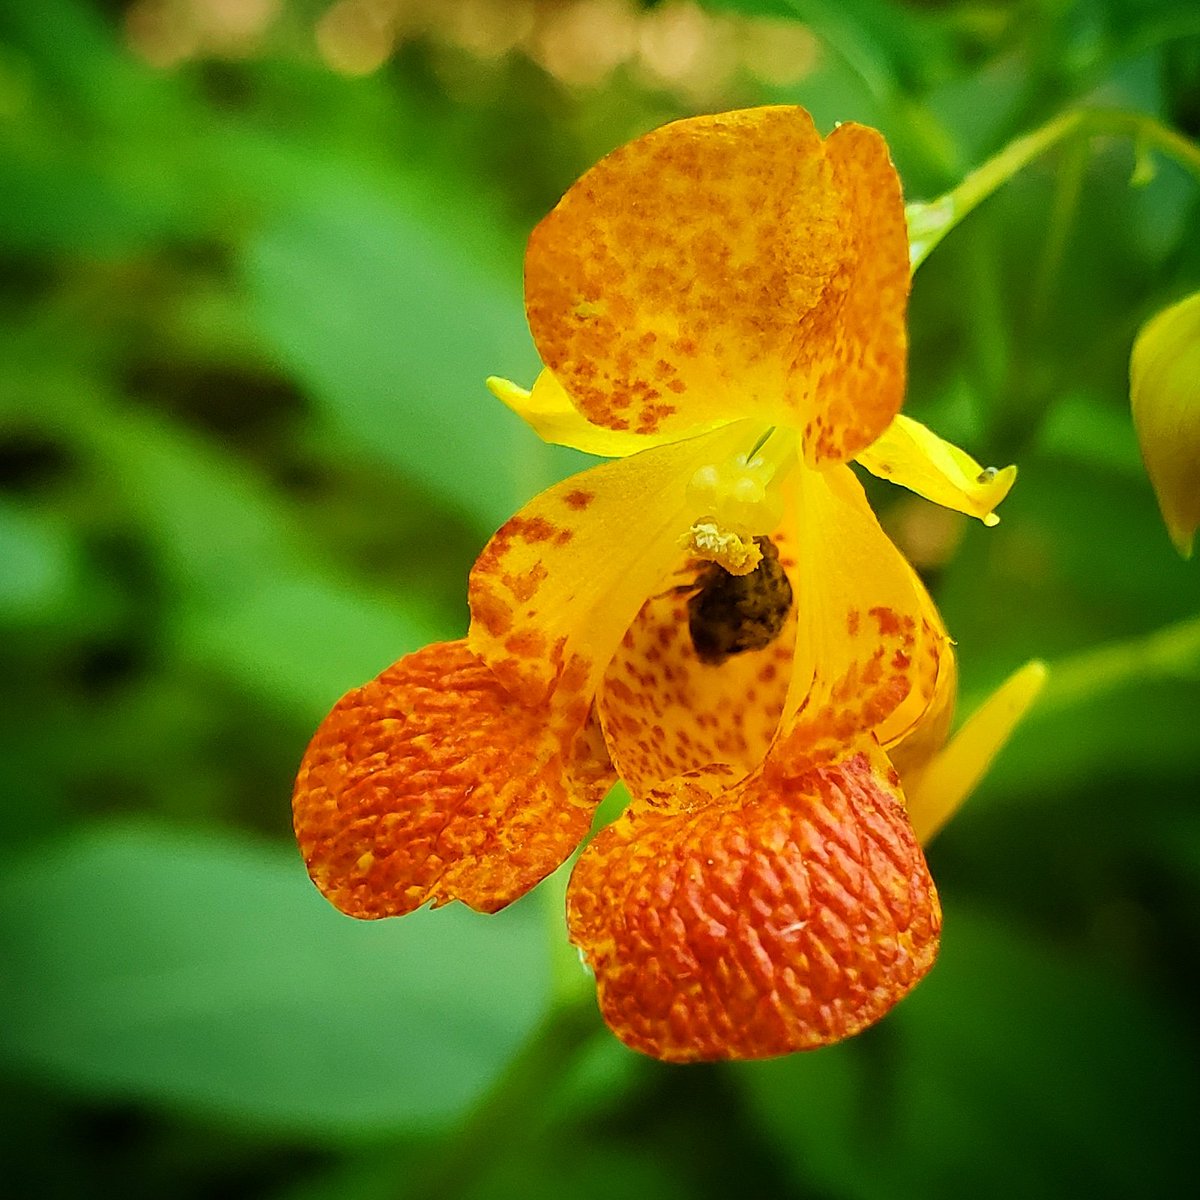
(854,348)
(729,266)
(548,410)
(915,457)
(793,912)
(936,793)
(430,783)
(869,642)
(557,586)
(664,712)
(914,750)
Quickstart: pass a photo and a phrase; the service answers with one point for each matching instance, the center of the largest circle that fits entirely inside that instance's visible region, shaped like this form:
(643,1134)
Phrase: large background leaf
(250,286)
(206,973)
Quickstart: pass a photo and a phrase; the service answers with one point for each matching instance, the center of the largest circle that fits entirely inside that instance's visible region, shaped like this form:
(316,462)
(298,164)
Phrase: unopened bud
(1164,377)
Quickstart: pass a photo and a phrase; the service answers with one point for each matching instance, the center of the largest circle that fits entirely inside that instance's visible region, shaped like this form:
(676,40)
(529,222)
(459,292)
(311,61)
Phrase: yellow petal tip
(1183,540)
(505,390)
(940,790)
(913,456)
(548,411)
(1028,681)
(994,486)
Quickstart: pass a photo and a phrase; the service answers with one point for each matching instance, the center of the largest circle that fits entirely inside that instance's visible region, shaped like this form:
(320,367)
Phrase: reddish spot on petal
(524,587)
(528,643)
(535,529)
(491,612)
(887,620)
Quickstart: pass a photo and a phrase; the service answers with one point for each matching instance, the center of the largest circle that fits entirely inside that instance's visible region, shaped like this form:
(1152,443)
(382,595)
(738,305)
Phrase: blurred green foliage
(249,290)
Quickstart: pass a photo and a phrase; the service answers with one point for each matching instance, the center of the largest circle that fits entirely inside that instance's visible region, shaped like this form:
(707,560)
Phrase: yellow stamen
(739,500)
(726,547)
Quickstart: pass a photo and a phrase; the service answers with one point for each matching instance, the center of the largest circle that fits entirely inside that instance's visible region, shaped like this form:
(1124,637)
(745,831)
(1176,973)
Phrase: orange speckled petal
(664,712)
(792,912)
(431,783)
(557,586)
(548,410)
(913,750)
(869,642)
(728,266)
(854,345)
(911,745)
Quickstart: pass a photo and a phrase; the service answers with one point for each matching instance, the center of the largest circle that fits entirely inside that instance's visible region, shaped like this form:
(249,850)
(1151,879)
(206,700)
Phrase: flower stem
(569,981)
(929,222)
(517,1099)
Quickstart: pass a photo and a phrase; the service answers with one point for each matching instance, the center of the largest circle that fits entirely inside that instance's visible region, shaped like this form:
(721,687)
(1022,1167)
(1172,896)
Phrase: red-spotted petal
(917,746)
(792,912)
(854,345)
(869,643)
(730,266)
(557,586)
(432,783)
(666,712)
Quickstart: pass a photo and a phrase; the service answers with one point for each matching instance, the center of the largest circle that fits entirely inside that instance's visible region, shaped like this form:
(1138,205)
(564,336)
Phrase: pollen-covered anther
(732,549)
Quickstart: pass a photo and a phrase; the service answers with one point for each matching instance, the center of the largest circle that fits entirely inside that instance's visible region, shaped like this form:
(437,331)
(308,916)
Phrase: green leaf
(393,328)
(1081,427)
(1011,1071)
(298,641)
(206,973)
(97,151)
(252,603)
(886,46)
(39,566)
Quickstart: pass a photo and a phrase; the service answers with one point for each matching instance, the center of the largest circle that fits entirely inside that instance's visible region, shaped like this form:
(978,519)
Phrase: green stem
(494,1129)
(929,223)
(1172,652)
(1062,217)
(569,982)
(1169,653)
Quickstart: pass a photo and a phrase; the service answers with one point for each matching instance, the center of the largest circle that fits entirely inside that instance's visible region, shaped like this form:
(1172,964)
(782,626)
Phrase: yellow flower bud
(1165,391)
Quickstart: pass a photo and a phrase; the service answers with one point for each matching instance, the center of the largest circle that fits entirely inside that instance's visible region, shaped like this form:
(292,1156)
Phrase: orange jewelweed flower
(715,616)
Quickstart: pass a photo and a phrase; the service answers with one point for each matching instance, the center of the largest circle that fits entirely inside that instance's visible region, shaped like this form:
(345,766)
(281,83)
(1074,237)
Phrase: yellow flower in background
(715,616)
(1165,393)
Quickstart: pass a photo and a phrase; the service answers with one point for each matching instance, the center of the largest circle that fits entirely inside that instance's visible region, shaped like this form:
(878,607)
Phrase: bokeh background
(256,259)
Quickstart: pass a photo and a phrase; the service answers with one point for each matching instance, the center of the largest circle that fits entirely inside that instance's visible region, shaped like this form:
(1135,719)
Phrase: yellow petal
(727,266)
(1165,392)
(868,645)
(555,589)
(552,416)
(915,457)
(938,791)
(913,751)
